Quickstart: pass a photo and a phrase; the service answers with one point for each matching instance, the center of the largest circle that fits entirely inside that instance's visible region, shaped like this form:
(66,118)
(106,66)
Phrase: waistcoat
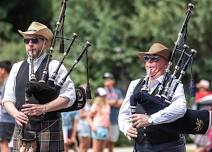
(22,79)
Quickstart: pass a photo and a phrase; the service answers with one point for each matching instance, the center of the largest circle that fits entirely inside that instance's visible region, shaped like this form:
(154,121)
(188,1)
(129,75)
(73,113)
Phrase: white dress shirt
(171,113)
(67,89)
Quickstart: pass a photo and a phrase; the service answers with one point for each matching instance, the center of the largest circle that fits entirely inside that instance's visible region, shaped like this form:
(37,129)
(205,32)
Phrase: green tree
(117,30)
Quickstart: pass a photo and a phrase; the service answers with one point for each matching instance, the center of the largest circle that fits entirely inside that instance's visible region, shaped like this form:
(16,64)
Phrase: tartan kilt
(49,136)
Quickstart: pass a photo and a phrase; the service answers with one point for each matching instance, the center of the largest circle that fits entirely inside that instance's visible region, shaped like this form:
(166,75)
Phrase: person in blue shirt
(69,125)
(7,122)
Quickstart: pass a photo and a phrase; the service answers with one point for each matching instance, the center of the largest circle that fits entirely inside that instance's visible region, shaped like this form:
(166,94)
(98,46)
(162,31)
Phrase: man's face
(3,73)
(109,83)
(34,45)
(155,65)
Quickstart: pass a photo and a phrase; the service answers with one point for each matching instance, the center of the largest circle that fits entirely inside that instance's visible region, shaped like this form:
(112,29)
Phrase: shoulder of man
(135,82)
(17,65)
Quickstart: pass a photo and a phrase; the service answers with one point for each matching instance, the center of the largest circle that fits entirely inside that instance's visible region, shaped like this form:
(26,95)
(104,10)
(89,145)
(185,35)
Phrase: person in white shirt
(43,119)
(144,128)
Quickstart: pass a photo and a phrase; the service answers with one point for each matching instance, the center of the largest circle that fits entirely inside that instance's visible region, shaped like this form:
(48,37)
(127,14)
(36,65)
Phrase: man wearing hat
(114,98)
(49,136)
(144,128)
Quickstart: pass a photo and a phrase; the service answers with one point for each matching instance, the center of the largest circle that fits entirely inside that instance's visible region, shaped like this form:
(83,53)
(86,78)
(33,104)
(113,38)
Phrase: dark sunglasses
(152,58)
(33,40)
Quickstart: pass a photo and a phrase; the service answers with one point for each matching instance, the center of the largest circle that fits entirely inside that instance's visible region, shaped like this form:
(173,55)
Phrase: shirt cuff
(154,118)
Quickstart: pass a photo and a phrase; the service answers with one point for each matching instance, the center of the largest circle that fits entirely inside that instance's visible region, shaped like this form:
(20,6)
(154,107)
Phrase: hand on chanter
(33,109)
(132,133)
(140,120)
(20,118)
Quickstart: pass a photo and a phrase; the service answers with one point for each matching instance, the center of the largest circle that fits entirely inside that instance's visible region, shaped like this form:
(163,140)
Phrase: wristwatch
(150,120)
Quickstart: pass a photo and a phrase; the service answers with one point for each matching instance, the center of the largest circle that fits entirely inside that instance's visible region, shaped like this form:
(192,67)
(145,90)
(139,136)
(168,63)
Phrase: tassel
(192,88)
(31,149)
(22,149)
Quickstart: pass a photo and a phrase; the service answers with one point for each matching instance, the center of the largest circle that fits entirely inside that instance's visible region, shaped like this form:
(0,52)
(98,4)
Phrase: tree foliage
(117,30)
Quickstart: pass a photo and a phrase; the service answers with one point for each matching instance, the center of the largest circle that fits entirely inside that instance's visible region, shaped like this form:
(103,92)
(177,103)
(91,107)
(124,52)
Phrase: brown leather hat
(39,29)
(158,49)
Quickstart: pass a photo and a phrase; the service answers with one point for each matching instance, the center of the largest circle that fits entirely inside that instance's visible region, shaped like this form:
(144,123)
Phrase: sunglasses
(33,40)
(152,58)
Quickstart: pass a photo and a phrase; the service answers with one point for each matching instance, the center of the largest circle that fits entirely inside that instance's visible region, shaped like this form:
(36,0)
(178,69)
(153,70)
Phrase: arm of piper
(174,111)
(39,109)
(141,120)
(124,120)
(20,117)
(9,98)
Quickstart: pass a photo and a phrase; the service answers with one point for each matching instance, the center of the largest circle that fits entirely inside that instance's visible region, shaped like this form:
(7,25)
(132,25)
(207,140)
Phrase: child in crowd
(84,129)
(99,120)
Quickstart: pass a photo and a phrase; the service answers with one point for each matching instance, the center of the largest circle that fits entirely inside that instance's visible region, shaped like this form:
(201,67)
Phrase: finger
(139,125)
(23,115)
(32,113)
(20,124)
(136,123)
(22,118)
(26,109)
(27,105)
(21,121)
(134,115)
(132,133)
(134,119)
(132,129)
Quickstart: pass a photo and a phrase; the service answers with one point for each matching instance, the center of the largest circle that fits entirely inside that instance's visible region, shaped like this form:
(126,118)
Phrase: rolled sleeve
(174,111)
(67,90)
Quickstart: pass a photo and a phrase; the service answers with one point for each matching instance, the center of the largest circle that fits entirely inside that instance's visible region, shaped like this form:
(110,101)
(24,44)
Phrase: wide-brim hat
(38,29)
(157,49)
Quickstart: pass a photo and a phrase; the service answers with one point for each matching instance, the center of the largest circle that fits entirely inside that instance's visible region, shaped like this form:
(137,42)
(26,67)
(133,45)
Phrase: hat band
(32,30)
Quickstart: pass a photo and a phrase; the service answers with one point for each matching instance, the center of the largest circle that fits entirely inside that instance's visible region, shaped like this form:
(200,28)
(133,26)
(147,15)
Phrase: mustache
(32,52)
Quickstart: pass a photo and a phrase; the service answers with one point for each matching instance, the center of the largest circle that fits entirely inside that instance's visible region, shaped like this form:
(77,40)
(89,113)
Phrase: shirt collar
(160,78)
(37,60)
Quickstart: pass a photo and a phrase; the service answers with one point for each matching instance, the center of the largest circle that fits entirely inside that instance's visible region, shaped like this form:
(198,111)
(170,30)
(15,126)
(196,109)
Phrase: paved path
(129,149)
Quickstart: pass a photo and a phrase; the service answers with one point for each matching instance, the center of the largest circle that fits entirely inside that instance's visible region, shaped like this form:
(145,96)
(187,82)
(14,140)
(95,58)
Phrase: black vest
(21,80)
(155,134)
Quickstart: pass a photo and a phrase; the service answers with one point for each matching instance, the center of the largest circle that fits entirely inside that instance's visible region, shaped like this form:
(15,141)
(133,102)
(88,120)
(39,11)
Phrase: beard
(34,53)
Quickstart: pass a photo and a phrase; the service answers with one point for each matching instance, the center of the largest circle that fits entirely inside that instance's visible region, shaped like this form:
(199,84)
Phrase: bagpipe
(194,121)
(45,89)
